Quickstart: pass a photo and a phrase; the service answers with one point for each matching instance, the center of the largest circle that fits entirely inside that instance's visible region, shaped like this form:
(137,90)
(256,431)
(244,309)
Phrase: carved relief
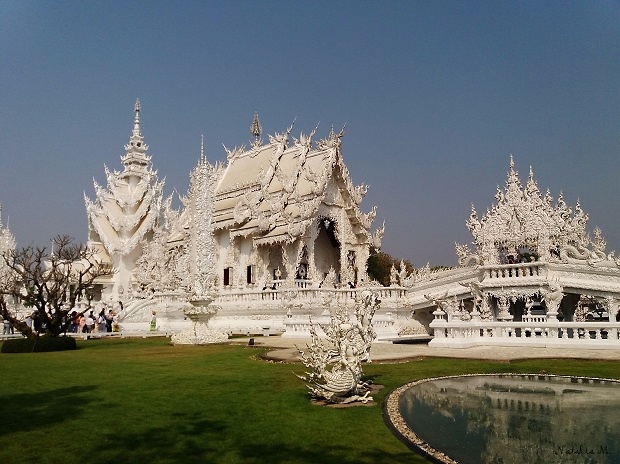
(525,225)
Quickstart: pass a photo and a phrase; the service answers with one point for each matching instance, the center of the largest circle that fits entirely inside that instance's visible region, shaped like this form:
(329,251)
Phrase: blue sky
(435,96)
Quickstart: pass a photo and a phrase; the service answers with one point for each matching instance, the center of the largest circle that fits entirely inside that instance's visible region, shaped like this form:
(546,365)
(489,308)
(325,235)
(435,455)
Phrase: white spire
(202,149)
(136,121)
(256,130)
(136,158)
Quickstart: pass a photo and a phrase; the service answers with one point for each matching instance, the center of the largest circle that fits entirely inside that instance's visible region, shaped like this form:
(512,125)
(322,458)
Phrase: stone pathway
(284,349)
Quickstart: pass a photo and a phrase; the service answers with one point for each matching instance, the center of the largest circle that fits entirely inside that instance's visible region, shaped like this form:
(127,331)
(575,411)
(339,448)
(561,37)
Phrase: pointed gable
(273,192)
(524,217)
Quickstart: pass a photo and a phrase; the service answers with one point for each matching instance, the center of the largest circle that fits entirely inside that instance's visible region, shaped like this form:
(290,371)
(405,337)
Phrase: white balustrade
(304,291)
(540,333)
(534,269)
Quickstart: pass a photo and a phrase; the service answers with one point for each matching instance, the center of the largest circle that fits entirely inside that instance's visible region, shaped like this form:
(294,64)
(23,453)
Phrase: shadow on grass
(24,412)
(190,438)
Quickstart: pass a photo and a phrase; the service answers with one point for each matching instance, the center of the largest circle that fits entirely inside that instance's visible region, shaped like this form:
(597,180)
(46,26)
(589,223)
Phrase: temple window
(227,276)
(251,275)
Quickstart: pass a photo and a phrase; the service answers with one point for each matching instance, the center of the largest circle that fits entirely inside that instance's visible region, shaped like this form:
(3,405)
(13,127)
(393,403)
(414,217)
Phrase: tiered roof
(273,192)
(131,205)
(523,217)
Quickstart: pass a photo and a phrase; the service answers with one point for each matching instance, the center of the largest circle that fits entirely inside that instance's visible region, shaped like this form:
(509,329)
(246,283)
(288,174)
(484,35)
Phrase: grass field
(144,401)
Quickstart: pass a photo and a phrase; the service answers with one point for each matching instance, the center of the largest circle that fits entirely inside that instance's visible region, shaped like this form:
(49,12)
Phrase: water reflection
(517,418)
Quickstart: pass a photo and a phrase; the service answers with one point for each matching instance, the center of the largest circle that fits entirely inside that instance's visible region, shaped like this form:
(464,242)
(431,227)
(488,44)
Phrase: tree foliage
(50,281)
(380,264)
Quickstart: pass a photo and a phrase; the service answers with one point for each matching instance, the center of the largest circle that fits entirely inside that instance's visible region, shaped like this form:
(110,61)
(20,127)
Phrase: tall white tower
(126,213)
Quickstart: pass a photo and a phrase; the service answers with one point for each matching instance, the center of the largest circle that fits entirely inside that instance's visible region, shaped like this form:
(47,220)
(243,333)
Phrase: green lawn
(142,400)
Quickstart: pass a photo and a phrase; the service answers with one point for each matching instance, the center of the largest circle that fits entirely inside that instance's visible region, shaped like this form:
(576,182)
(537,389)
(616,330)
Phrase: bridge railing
(530,333)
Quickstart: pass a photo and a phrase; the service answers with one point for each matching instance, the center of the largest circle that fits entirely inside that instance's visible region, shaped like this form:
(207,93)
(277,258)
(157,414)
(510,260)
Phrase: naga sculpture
(552,298)
(336,366)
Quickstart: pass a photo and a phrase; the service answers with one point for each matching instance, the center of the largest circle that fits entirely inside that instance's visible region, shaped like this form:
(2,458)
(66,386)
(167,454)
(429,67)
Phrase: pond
(510,418)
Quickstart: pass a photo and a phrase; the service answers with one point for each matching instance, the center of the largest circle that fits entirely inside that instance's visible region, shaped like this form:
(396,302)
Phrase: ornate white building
(533,277)
(275,238)
(277,218)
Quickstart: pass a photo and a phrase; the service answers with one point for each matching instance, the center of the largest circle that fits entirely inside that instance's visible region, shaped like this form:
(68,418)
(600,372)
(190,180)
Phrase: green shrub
(40,345)
(18,345)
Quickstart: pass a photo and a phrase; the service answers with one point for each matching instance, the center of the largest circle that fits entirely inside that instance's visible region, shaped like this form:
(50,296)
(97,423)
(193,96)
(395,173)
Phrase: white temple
(277,219)
(274,239)
(7,244)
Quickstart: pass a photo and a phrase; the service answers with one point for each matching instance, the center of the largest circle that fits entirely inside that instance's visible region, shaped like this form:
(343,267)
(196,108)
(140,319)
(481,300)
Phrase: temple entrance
(327,248)
(277,270)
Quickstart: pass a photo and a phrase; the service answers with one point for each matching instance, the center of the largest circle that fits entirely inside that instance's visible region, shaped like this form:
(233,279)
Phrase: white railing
(533,269)
(300,326)
(305,294)
(535,319)
(461,334)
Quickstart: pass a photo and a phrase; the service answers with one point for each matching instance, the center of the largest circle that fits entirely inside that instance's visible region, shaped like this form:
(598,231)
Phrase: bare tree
(50,282)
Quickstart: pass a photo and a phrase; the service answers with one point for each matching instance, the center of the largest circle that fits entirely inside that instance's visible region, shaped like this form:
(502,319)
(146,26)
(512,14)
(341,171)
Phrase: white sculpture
(336,366)
(552,298)
(199,333)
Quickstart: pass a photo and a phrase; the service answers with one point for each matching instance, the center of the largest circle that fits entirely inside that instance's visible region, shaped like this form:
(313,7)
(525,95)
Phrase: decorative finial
(136,108)
(202,149)
(256,129)
(136,121)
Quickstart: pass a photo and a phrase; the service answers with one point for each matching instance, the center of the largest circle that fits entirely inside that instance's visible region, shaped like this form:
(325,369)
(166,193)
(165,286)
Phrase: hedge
(38,345)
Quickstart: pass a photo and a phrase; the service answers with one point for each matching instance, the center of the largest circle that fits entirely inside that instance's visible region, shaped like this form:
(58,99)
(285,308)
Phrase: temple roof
(523,216)
(124,212)
(272,192)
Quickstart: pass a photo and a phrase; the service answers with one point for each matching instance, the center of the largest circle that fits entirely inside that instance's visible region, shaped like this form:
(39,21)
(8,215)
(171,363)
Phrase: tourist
(90,322)
(28,321)
(73,322)
(82,323)
(102,321)
(7,326)
(36,321)
(109,319)
(115,326)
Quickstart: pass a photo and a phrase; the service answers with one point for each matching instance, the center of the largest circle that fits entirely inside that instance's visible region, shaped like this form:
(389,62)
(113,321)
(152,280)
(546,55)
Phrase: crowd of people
(89,322)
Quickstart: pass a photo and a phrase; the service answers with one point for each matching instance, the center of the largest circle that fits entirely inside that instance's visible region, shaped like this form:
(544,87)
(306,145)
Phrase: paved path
(284,349)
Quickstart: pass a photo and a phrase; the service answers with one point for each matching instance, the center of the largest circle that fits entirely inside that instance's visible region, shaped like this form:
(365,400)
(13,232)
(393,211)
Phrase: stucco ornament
(552,298)
(525,225)
(199,333)
(441,301)
(336,363)
(122,216)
